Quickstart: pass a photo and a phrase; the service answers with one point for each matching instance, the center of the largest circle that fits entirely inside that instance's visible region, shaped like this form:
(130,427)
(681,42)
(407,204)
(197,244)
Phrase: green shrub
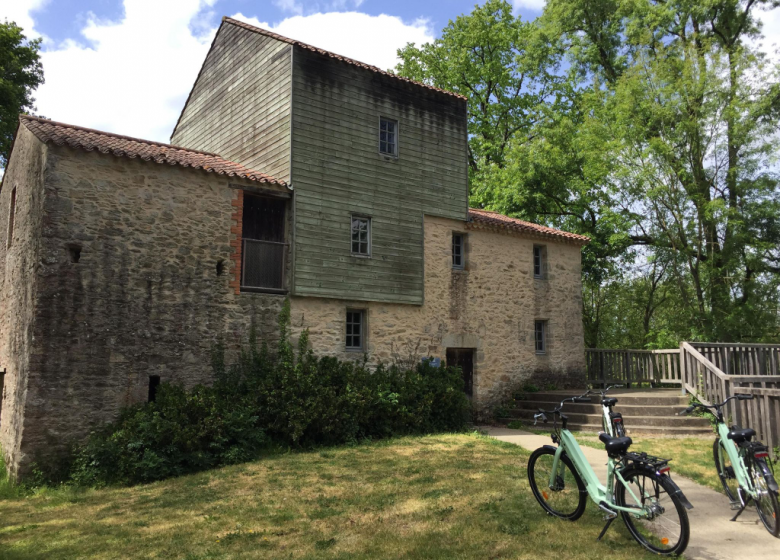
(263,401)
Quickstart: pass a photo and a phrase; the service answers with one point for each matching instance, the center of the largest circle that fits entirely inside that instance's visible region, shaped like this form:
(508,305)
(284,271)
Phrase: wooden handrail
(704,361)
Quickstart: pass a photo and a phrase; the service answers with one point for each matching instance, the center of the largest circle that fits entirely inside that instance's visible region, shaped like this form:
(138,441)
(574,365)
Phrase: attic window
(388,137)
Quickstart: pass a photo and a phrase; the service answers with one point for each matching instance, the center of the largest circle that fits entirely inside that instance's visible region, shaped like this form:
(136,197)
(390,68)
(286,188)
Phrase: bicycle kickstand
(610,516)
(747,503)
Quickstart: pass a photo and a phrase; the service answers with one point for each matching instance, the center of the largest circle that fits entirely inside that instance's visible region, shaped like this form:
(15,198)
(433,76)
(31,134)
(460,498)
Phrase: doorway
(464,359)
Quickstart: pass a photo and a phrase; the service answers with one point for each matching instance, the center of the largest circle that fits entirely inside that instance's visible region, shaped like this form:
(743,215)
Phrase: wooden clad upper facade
(313,119)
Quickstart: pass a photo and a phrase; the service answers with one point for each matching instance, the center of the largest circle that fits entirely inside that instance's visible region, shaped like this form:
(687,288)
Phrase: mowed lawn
(446,496)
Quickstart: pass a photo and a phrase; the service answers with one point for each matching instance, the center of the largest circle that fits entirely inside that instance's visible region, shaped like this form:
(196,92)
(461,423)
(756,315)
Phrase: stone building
(336,185)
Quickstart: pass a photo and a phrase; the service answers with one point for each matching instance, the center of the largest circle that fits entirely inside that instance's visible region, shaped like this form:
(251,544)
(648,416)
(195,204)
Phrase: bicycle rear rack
(656,463)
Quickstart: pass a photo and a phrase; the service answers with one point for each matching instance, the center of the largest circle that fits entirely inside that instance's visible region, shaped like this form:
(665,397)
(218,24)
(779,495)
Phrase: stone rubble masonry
(80,339)
(491,307)
(112,277)
(236,239)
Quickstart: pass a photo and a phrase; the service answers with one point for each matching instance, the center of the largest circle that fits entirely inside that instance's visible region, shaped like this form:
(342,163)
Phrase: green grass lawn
(446,496)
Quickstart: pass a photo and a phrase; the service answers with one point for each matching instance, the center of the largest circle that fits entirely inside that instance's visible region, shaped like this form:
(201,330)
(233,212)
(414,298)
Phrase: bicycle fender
(683,500)
(771,482)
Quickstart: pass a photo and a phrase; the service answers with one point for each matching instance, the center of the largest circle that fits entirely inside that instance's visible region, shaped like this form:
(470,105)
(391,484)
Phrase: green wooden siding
(239,107)
(337,170)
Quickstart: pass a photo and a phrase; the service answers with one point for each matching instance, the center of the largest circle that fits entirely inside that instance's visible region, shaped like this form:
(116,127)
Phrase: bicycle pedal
(735,506)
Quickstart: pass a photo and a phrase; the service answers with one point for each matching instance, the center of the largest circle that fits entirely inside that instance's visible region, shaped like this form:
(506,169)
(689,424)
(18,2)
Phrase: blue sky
(64,19)
(126,66)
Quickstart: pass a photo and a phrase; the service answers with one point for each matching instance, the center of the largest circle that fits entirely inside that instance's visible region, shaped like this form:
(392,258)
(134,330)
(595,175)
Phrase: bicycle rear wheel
(666,531)
(766,501)
(619,429)
(566,498)
(725,470)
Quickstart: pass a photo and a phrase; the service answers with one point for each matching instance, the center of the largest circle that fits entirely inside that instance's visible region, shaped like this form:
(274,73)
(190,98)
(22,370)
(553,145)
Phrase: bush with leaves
(288,399)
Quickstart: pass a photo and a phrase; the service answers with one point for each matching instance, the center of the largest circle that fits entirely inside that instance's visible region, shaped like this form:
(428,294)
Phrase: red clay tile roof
(124,146)
(334,55)
(494,219)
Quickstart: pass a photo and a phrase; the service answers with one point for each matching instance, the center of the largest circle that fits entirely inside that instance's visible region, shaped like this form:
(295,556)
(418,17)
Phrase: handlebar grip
(688,410)
(583,399)
(745,397)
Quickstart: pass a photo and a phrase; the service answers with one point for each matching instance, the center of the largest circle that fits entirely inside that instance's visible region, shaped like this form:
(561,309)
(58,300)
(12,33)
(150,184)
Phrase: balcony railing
(263,265)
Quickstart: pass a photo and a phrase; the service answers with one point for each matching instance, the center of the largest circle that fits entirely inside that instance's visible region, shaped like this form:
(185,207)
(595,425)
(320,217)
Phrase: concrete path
(713,536)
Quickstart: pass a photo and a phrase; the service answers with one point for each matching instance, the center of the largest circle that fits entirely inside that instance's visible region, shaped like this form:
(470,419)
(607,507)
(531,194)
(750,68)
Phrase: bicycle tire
(653,536)
(545,495)
(725,470)
(767,505)
(619,429)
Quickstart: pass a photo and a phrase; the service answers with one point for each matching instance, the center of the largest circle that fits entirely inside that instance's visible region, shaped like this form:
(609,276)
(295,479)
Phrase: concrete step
(630,431)
(594,408)
(628,421)
(657,397)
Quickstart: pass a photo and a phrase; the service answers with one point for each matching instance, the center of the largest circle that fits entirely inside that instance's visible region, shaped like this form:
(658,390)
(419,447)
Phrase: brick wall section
(236,238)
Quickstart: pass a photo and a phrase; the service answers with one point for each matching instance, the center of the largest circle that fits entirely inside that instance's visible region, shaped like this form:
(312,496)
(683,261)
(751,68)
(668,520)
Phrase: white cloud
(18,11)
(535,5)
(370,39)
(133,76)
(771,31)
(289,6)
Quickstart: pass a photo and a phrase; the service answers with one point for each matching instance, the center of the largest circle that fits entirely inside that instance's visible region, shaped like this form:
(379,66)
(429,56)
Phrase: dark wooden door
(464,359)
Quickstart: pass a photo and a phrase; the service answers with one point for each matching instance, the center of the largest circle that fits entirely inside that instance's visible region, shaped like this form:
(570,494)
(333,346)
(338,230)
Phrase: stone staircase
(645,411)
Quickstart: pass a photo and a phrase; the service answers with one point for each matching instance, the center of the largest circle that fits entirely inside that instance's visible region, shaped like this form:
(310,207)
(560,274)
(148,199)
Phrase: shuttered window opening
(264,247)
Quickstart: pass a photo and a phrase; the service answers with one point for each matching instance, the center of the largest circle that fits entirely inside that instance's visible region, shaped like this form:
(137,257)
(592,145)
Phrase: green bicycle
(638,489)
(743,468)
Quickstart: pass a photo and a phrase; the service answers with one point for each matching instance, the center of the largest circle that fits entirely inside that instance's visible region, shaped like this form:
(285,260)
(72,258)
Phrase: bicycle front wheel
(566,497)
(766,498)
(666,530)
(725,470)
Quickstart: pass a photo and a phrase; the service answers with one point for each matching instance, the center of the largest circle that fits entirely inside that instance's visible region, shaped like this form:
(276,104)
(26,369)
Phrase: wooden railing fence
(707,381)
(742,359)
(633,366)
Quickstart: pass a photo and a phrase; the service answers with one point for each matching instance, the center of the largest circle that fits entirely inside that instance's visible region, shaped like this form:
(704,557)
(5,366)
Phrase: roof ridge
(115,135)
(353,61)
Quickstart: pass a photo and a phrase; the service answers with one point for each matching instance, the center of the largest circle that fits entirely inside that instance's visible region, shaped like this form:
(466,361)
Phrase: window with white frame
(458,253)
(540,336)
(539,255)
(361,236)
(388,137)
(356,327)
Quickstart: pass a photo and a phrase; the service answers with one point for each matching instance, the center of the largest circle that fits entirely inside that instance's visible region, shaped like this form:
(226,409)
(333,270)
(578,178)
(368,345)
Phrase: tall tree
(20,73)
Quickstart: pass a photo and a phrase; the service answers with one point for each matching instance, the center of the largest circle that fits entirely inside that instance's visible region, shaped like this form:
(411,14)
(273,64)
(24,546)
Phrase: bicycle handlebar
(741,397)
(542,415)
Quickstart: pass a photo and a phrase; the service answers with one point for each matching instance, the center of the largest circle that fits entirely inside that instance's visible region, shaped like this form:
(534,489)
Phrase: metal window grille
(355,328)
(263,264)
(388,137)
(540,336)
(361,236)
(457,250)
(537,262)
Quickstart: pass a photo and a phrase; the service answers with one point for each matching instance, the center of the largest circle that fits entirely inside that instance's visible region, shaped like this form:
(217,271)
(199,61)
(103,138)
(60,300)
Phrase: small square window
(539,255)
(540,336)
(361,236)
(356,329)
(458,256)
(388,137)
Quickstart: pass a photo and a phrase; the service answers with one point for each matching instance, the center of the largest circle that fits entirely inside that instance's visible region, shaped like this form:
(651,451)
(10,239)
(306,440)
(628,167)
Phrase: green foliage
(287,399)
(649,127)
(20,73)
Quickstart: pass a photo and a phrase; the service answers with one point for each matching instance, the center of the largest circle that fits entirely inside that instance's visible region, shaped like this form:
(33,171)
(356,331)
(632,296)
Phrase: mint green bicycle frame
(737,461)
(597,491)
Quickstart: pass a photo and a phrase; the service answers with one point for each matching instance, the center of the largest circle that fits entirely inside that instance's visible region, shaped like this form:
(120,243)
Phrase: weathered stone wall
(490,306)
(18,266)
(144,297)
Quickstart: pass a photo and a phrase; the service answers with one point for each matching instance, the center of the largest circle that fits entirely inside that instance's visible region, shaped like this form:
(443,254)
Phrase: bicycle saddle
(615,445)
(609,401)
(741,434)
